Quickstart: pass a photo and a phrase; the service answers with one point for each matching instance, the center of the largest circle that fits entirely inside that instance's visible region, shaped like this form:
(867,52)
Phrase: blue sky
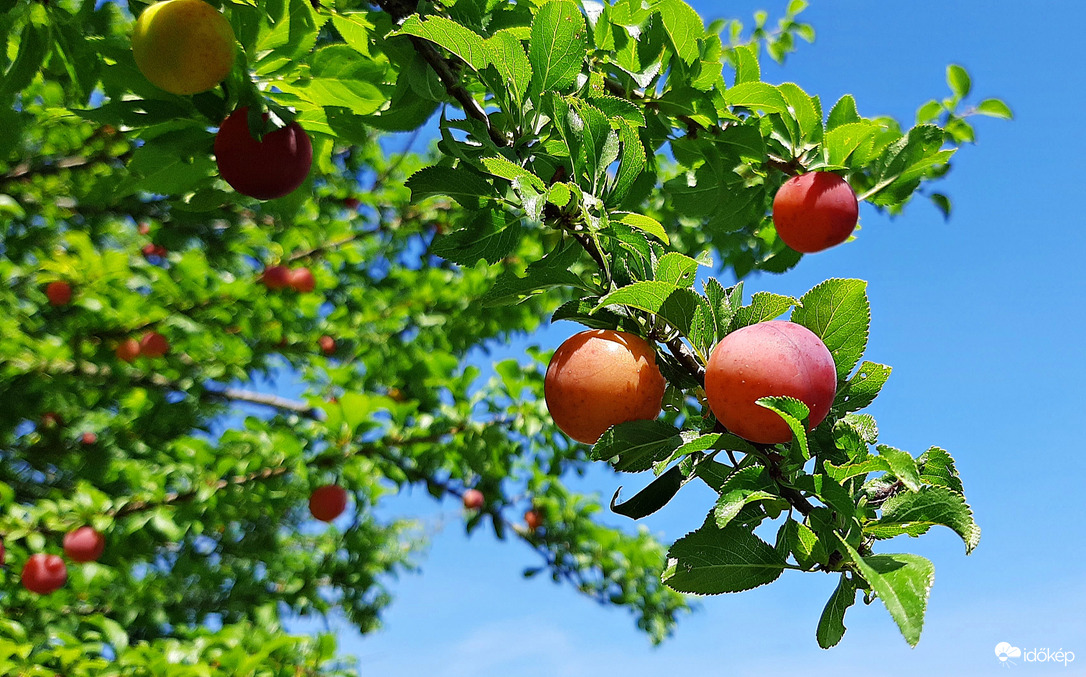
(981,319)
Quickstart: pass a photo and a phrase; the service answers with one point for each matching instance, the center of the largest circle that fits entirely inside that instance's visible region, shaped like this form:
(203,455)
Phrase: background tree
(581,149)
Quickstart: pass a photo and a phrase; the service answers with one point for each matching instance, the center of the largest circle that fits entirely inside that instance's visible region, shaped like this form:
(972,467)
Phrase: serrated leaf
(490,236)
(635,446)
(653,497)
(690,446)
(763,306)
(557,46)
(842,140)
(756,95)
(712,561)
(902,464)
(801,107)
(683,27)
(842,472)
(913,513)
(510,171)
(553,270)
(642,223)
(617,110)
(677,269)
(903,583)
(464,186)
(164,170)
(581,311)
(937,468)
(461,41)
(675,304)
(838,312)
(740,488)
(862,389)
(632,164)
(508,57)
(831,625)
(829,492)
(843,112)
(795,413)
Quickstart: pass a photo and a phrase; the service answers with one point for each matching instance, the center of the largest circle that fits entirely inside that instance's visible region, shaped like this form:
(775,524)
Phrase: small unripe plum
(44,573)
(473,499)
(815,211)
(302,280)
(328,502)
(154,344)
(143,228)
(600,378)
(59,293)
(128,350)
(533,519)
(51,420)
(88,438)
(327,344)
(269,168)
(276,277)
(84,545)
(183,46)
(769,359)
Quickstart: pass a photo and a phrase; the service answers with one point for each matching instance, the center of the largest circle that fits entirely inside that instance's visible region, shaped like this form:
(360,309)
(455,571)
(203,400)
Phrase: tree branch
(448,75)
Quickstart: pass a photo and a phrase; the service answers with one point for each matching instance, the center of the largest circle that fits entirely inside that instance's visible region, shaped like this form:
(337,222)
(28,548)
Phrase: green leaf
(903,466)
(677,305)
(581,310)
(756,95)
(340,76)
(599,143)
(33,44)
(508,57)
(691,446)
(552,271)
(677,269)
(166,171)
(557,46)
(806,546)
(937,468)
(653,497)
(461,41)
(763,306)
(903,583)
(958,80)
(994,108)
(838,312)
(843,112)
(840,473)
(862,389)
(795,413)
(745,486)
(503,168)
(490,236)
(746,65)
(712,560)
(913,513)
(842,140)
(831,625)
(632,164)
(460,184)
(683,27)
(636,445)
(802,108)
(642,223)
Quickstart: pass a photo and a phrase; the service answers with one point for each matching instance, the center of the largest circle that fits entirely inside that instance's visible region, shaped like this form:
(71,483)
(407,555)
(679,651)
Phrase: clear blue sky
(982,320)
